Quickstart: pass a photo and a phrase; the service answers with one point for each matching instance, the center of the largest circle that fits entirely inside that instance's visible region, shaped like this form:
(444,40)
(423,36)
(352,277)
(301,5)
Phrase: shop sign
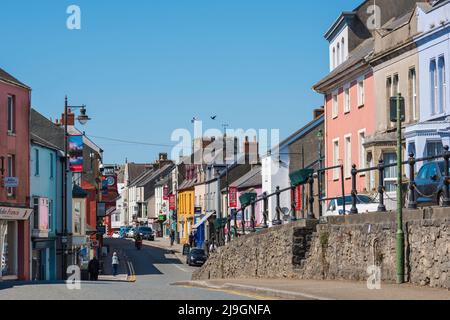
(10,213)
(166,193)
(172,202)
(11,182)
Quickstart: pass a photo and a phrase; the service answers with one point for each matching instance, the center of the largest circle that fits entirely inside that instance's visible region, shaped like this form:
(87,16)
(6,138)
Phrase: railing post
(293,205)
(447,177)
(235,224)
(243,220)
(278,221)
(311,198)
(381,206)
(354,209)
(266,209)
(229,227)
(412,204)
(253,218)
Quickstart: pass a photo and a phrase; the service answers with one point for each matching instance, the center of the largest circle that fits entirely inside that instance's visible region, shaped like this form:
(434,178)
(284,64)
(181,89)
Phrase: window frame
(335,104)
(348,156)
(11,114)
(336,158)
(11,168)
(347,99)
(360,92)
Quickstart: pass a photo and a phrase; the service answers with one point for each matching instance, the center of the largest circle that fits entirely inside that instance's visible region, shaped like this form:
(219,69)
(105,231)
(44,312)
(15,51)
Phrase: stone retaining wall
(341,249)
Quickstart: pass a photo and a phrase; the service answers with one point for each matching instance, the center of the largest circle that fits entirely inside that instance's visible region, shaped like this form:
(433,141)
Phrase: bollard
(412,204)
(381,206)
(354,209)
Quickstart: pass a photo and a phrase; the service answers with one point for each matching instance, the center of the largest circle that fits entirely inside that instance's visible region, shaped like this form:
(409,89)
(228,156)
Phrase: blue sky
(146,67)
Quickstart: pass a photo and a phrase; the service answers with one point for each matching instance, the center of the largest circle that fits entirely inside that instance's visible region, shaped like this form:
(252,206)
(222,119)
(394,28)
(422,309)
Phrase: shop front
(12,244)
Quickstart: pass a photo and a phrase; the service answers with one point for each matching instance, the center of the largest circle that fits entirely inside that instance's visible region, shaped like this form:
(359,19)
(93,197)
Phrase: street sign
(172,202)
(232,194)
(11,182)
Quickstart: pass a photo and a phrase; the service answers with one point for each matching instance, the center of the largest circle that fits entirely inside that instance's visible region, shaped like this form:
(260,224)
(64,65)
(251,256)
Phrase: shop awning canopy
(204,219)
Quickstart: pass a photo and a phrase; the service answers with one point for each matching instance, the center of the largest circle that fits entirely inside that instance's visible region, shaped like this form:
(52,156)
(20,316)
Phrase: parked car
(124,231)
(116,235)
(430,183)
(196,257)
(130,233)
(363,203)
(146,233)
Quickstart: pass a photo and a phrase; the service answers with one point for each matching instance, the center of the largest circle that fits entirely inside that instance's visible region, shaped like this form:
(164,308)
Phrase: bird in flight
(213,117)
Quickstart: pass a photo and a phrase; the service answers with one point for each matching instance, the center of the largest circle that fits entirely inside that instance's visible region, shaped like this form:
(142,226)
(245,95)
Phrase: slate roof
(5,76)
(45,131)
(137,170)
(357,56)
(253,178)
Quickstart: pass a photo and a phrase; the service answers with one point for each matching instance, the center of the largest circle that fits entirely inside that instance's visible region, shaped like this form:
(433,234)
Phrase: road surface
(156,270)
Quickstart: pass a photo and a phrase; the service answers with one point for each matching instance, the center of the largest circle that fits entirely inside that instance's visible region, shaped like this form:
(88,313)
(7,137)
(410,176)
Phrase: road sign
(11,182)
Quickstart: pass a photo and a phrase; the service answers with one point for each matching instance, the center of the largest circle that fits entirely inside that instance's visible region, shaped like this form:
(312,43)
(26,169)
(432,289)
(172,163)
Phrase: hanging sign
(232,196)
(172,202)
(166,193)
(76,153)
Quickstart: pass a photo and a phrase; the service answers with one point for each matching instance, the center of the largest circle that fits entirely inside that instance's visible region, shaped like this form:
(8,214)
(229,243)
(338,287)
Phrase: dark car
(430,182)
(146,233)
(196,257)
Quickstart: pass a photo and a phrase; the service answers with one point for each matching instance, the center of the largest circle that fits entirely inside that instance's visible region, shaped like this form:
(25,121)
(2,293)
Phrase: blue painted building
(432,132)
(46,170)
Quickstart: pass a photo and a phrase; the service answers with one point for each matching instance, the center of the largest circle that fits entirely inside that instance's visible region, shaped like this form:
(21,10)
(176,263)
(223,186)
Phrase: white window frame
(335,104)
(347,156)
(360,92)
(413,78)
(11,114)
(336,158)
(442,87)
(347,99)
(434,88)
(361,149)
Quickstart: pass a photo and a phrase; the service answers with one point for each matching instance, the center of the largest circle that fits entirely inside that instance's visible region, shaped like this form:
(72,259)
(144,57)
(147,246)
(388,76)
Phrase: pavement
(320,290)
(125,273)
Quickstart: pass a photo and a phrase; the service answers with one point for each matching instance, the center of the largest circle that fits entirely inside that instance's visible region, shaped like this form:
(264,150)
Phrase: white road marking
(182,269)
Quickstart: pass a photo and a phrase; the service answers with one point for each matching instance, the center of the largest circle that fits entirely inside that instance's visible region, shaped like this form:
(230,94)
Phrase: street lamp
(82,119)
(397,111)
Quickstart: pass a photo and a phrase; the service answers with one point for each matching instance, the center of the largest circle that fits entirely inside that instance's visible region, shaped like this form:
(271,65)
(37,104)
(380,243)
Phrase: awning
(204,219)
(11,213)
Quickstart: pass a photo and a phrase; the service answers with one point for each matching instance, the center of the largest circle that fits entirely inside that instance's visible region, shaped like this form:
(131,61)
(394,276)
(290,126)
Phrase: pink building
(14,165)
(349,103)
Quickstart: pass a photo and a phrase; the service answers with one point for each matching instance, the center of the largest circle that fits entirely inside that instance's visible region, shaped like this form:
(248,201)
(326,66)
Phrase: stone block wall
(342,249)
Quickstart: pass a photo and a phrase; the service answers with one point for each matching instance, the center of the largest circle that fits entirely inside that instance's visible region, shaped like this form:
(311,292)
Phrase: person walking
(172,237)
(93,268)
(115,263)
(191,239)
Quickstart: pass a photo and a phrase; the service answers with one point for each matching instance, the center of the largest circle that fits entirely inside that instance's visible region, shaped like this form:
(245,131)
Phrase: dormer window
(342,50)
(338,54)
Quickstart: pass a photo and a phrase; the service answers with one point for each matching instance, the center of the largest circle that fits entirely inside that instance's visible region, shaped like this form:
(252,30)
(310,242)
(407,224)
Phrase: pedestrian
(93,268)
(191,239)
(115,263)
(172,237)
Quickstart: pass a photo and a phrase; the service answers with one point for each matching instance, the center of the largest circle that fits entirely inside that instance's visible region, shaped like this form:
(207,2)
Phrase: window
(335,106)
(343,50)
(390,173)
(333,60)
(11,115)
(52,165)
(442,85)
(338,53)
(36,213)
(36,162)
(336,159)
(347,100)
(362,152)
(434,148)
(348,157)
(388,95)
(433,86)
(395,86)
(11,173)
(413,93)
(360,93)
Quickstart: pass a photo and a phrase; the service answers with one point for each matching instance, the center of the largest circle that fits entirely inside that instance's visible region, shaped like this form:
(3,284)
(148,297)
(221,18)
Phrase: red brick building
(15,103)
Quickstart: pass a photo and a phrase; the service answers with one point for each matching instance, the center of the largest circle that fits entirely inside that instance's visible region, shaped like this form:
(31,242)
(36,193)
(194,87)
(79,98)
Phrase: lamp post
(82,119)
(398,115)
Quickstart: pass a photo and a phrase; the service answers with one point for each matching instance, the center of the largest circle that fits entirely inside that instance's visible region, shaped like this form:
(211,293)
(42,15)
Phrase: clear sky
(147,67)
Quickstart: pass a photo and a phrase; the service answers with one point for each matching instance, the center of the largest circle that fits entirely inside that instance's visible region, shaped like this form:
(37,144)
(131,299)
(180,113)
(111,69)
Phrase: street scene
(243,151)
